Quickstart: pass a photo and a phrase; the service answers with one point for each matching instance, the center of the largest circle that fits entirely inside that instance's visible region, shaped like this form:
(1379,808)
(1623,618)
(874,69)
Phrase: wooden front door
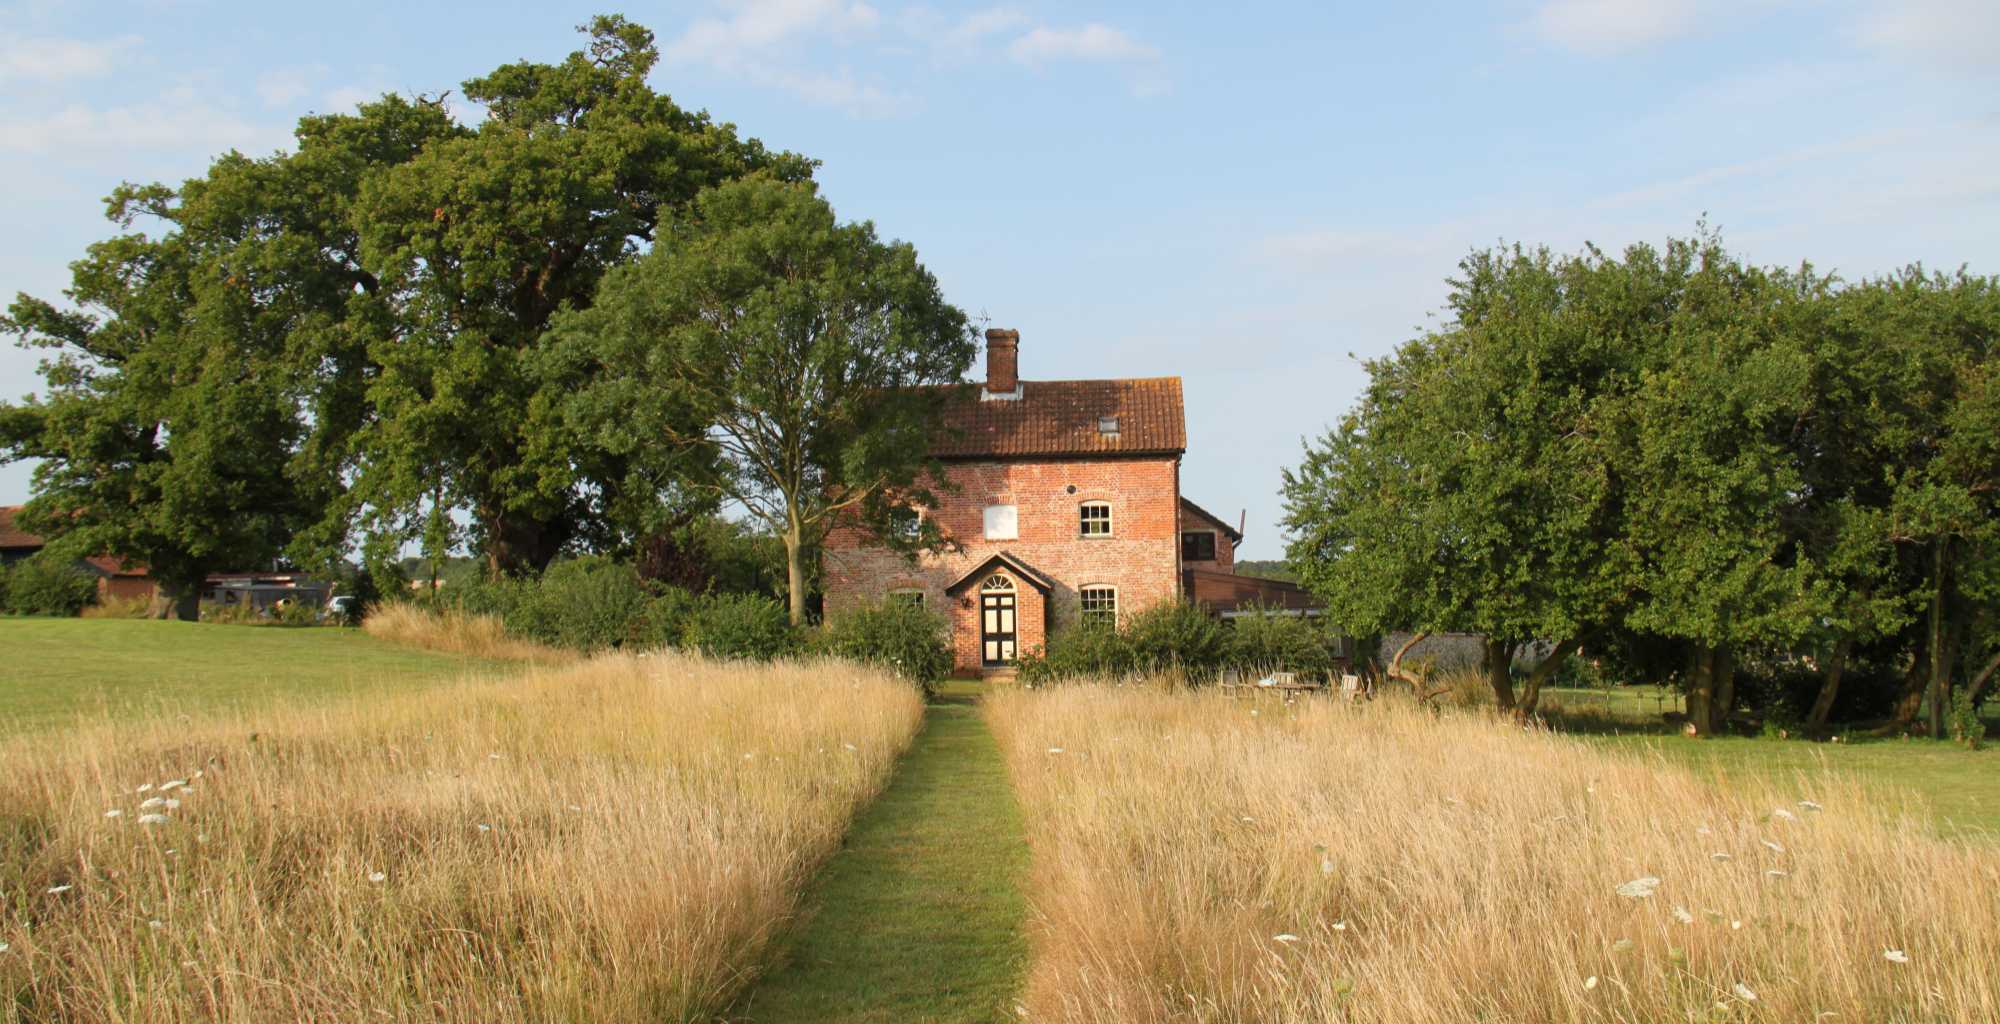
(996,629)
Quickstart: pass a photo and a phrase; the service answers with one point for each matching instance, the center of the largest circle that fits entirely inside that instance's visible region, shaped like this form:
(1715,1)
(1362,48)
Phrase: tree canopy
(345,342)
(1673,457)
(775,357)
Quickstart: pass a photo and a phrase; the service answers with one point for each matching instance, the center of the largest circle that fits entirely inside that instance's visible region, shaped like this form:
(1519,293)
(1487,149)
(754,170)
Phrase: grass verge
(1202,859)
(919,917)
(58,671)
(619,840)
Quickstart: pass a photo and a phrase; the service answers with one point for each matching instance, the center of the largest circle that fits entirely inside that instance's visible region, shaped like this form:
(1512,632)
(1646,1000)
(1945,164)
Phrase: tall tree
(478,241)
(776,357)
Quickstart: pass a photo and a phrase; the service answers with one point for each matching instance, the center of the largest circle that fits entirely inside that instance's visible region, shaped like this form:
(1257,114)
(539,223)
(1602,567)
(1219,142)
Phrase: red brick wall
(1141,558)
(1225,550)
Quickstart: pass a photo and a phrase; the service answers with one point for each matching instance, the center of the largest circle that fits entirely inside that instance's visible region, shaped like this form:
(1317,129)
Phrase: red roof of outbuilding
(1061,417)
(12,536)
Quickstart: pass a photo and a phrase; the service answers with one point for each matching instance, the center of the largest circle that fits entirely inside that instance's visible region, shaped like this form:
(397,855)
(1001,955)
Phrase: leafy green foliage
(904,638)
(1181,638)
(774,357)
(46,584)
(1266,641)
(741,626)
(1699,466)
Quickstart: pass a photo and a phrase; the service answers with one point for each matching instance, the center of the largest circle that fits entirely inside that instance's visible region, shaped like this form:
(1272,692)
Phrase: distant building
(1066,507)
(117,579)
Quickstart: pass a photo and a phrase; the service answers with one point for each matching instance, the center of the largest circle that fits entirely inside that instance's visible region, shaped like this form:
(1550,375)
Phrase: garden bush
(663,620)
(48,584)
(1266,641)
(741,626)
(1178,635)
(1086,651)
(901,637)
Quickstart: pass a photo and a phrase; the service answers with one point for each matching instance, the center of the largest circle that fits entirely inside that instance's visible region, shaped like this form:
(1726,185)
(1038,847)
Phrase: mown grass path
(919,916)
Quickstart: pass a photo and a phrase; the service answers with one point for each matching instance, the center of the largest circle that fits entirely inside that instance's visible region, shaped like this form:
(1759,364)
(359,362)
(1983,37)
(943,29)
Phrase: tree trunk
(1978,684)
(517,545)
(1829,685)
(1531,692)
(1499,673)
(1938,691)
(1701,690)
(795,574)
(176,600)
(1395,669)
(1912,695)
(1725,689)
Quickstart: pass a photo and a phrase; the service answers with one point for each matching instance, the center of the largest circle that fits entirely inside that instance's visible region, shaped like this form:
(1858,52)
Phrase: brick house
(1064,503)
(117,579)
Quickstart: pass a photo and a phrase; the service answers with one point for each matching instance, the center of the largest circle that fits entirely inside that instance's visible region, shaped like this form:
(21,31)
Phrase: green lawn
(919,916)
(1958,788)
(54,670)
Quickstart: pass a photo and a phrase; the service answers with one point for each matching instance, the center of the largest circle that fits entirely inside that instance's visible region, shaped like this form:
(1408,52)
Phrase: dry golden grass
(1202,859)
(454,632)
(119,608)
(619,840)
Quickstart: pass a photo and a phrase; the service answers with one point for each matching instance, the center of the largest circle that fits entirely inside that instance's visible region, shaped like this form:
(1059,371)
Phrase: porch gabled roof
(1002,559)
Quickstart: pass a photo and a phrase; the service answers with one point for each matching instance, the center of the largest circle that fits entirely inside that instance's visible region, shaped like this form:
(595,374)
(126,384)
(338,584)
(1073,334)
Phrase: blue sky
(1253,197)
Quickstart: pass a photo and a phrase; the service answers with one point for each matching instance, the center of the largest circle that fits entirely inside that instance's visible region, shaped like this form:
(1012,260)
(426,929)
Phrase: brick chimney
(1003,361)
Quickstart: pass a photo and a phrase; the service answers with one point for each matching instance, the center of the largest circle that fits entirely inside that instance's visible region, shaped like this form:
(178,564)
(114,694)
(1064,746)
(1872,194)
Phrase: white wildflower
(1775,873)
(1703,830)
(1719,856)
(1895,956)
(151,802)
(3,947)
(1326,866)
(484,827)
(1055,750)
(113,813)
(172,784)
(1785,814)
(1639,888)
(1735,926)
(850,746)
(1775,848)
(58,890)
(1340,926)
(1286,937)
(1622,946)
(377,877)
(156,925)
(1810,805)
(1590,983)
(144,787)
(1744,993)
(575,807)
(152,819)
(172,805)
(1681,914)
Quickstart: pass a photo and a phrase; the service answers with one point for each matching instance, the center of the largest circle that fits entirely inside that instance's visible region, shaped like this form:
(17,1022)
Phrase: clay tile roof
(12,536)
(1060,417)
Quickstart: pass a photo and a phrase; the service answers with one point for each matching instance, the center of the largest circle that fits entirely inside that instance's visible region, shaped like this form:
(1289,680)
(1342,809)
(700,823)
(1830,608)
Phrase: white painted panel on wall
(1002,523)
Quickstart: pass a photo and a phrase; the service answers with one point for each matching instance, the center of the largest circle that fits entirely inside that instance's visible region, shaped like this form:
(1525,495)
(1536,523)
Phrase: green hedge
(899,636)
(46,584)
(1179,637)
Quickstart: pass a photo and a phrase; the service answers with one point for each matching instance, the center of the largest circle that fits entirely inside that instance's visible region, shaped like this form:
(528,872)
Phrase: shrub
(1082,651)
(1177,635)
(1266,641)
(895,635)
(663,620)
(49,584)
(586,604)
(739,626)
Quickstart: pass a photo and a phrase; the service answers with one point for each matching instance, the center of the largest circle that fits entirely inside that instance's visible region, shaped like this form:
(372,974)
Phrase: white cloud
(176,120)
(757,26)
(282,87)
(1092,42)
(23,58)
(1964,33)
(1602,27)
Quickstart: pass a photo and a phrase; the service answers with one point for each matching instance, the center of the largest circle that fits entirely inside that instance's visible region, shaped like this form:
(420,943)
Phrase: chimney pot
(1003,361)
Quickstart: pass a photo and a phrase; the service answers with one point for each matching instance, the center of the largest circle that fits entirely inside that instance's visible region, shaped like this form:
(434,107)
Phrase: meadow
(620,839)
(1204,859)
(66,671)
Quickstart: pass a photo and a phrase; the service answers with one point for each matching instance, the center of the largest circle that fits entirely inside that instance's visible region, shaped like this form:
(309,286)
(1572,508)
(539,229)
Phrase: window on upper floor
(1094,518)
(1100,605)
(906,523)
(1198,546)
(908,595)
(1002,523)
